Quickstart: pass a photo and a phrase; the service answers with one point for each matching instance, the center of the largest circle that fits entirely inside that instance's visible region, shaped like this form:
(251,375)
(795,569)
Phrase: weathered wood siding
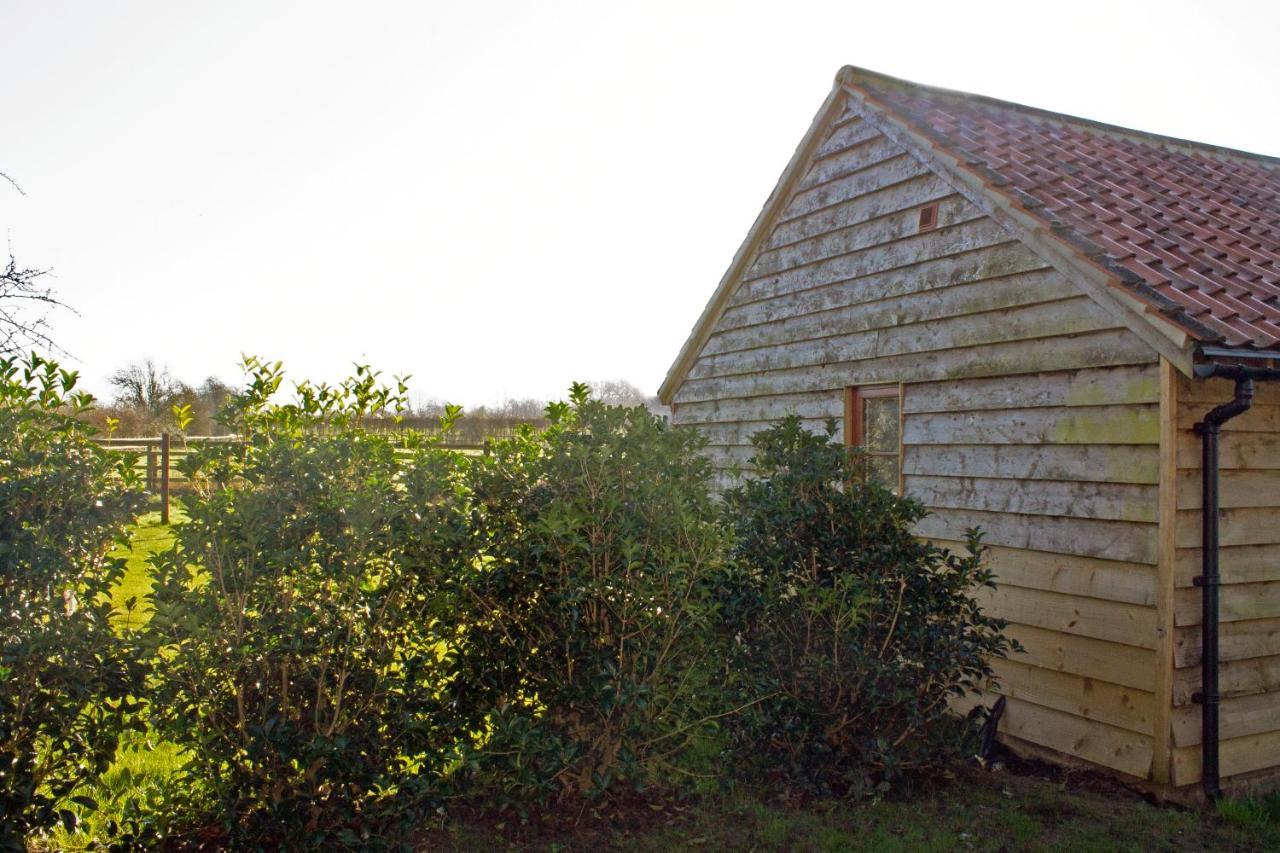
(1250,595)
(1027,410)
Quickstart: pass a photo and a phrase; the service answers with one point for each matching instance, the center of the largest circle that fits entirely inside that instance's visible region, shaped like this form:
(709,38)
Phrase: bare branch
(21,293)
(13,183)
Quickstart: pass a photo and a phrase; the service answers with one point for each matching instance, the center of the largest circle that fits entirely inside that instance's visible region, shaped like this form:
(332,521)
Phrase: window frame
(854,419)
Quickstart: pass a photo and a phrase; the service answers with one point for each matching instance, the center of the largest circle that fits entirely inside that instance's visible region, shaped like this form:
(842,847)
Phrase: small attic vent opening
(929,216)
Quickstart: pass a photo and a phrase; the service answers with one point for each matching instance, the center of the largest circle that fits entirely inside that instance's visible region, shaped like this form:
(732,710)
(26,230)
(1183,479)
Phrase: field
(1019,806)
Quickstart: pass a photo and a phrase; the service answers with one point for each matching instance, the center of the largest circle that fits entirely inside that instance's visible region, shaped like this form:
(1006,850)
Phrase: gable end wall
(1027,410)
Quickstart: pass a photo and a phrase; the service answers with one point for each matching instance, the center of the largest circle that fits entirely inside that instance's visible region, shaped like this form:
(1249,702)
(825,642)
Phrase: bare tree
(146,386)
(24,306)
(618,392)
(524,407)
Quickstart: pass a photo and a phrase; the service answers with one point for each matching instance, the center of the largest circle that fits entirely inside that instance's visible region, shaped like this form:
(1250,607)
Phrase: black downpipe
(1210,578)
(1209,581)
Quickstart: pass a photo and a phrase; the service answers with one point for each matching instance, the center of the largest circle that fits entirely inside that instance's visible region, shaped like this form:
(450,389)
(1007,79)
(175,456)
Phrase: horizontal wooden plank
(1125,541)
(1029,322)
(1129,424)
(1240,526)
(860,155)
(1241,564)
(1235,756)
(1118,749)
(1116,622)
(1236,488)
(1240,716)
(812,405)
(741,433)
(1101,387)
(726,456)
(1258,418)
(1079,462)
(1113,704)
(949,239)
(1236,641)
(927,275)
(953,301)
(893,169)
(1113,501)
(1244,450)
(1235,678)
(1111,346)
(1116,663)
(914,190)
(1236,603)
(1211,392)
(886,228)
(849,133)
(1133,583)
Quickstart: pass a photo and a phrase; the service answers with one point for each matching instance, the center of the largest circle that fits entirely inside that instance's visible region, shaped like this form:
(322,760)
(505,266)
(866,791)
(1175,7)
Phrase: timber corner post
(1166,559)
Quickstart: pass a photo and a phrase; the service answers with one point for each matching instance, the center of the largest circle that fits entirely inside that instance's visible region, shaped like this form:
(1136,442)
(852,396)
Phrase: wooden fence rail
(158,457)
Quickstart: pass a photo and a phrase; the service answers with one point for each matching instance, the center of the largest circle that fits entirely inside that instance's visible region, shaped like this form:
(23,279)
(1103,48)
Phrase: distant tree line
(144,394)
(504,419)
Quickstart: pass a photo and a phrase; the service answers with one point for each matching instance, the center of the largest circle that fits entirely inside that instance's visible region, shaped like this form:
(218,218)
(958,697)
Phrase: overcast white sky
(498,197)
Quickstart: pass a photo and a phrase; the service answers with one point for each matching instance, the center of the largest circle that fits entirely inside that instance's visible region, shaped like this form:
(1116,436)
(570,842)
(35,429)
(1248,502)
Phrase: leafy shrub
(303,635)
(65,676)
(592,611)
(851,633)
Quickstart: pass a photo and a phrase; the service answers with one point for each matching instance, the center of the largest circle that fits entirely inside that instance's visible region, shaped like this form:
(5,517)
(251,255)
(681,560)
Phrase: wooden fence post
(164,478)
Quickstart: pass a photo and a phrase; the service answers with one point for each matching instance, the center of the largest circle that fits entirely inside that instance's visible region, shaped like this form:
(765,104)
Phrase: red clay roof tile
(1198,226)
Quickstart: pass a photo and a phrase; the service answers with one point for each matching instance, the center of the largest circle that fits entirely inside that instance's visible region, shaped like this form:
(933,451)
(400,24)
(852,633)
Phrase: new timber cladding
(1249,633)
(1027,410)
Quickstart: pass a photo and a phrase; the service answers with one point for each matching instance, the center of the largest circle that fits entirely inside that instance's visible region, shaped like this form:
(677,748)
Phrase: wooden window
(873,423)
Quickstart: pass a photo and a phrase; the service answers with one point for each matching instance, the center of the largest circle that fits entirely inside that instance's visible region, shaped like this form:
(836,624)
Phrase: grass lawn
(147,537)
(1023,806)
(141,764)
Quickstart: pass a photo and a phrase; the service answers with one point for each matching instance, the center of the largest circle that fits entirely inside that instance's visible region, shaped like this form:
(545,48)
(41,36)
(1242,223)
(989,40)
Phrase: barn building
(1027,318)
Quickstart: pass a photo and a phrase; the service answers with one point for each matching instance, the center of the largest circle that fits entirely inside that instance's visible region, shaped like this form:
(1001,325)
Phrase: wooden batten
(1167,552)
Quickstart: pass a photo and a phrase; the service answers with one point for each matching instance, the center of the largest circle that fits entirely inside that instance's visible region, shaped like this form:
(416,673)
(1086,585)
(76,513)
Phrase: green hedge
(356,628)
(66,678)
(853,634)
